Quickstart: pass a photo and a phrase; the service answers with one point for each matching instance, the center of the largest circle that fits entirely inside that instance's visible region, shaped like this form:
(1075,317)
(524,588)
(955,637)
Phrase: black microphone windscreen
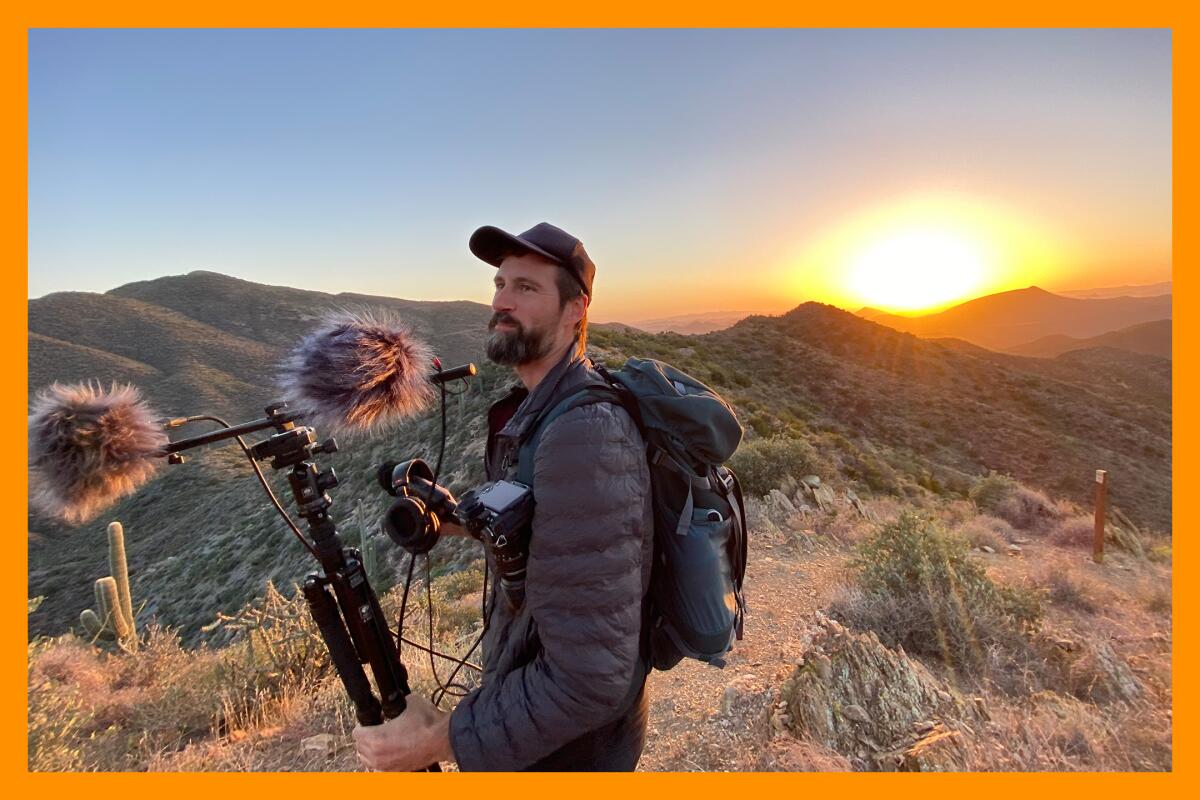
(88,447)
(357,371)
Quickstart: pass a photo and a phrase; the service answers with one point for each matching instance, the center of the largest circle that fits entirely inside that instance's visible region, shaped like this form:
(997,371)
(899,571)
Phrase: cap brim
(491,245)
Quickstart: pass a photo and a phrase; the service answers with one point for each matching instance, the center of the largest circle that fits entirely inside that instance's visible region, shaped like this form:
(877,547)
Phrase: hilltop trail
(688,730)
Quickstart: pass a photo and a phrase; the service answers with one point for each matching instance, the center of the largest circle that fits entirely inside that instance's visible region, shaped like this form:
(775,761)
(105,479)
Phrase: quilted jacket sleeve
(583,590)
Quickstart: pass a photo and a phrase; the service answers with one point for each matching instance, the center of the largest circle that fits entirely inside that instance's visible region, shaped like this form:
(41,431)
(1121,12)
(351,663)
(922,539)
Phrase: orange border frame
(620,13)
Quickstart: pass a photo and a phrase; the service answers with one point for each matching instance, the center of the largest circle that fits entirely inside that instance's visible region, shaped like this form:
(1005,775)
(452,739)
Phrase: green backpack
(694,607)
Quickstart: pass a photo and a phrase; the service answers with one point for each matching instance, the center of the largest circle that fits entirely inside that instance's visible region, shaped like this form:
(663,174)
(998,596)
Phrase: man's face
(528,321)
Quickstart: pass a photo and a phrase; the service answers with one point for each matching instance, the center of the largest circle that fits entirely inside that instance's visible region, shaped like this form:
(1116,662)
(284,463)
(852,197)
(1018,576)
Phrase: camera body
(499,514)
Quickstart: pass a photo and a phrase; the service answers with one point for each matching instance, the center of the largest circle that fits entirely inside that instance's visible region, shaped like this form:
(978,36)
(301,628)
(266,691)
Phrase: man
(564,669)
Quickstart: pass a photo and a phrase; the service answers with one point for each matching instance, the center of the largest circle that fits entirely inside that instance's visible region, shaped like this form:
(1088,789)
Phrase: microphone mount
(340,599)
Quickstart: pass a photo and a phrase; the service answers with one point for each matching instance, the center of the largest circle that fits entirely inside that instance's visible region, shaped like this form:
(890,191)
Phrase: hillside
(705,322)
(898,412)
(1076,657)
(1009,319)
(888,413)
(205,342)
(1150,338)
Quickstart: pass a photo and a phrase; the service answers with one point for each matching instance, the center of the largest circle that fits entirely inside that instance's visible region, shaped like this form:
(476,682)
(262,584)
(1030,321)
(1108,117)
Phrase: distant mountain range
(706,322)
(1011,319)
(1139,290)
(882,411)
(1151,338)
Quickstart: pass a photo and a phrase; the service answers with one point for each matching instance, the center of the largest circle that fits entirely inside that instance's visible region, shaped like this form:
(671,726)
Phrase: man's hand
(410,742)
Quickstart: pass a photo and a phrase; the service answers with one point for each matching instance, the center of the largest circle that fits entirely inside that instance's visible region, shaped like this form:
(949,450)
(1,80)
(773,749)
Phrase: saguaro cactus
(367,545)
(113,599)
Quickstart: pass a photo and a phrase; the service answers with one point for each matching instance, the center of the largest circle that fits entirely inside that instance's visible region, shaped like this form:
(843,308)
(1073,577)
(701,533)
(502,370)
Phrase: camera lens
(409,526)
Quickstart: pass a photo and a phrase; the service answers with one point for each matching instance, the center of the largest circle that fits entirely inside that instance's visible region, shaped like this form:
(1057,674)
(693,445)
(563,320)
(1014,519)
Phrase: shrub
(918,587)
(986,530)
(1078,531)
(1020,506)
(764,464)
(1067,590)
(990,490)
(1029,510)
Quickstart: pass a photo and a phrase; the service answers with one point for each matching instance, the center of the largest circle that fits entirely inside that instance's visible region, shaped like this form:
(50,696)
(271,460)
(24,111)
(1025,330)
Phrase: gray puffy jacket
(563,663)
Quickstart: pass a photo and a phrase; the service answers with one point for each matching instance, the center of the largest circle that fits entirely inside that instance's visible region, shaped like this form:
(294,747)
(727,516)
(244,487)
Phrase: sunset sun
(922,252)
(916,269)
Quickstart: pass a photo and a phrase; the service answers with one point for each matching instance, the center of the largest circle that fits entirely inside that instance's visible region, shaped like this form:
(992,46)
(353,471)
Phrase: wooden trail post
(1101,501)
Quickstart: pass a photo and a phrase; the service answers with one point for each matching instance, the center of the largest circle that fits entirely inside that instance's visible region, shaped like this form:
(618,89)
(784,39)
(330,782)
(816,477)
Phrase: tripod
(340,598)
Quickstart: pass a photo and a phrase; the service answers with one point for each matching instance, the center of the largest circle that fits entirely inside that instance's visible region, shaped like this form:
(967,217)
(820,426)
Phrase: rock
(740,693)
(855,713)
(824,498)
(1013,549)
(796,522)
(852,694)
(811,481)
(1101,676)
(987,549)
(781,502)
(321,743)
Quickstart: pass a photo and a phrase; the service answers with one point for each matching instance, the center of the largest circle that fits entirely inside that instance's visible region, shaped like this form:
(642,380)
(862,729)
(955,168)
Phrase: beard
(518,346)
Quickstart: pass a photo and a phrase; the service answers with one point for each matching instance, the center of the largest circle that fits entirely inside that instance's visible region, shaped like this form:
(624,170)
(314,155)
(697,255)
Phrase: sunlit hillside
(868,454)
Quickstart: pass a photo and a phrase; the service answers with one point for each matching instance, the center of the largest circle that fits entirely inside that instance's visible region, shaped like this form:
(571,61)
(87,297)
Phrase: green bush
(918,587)
(764,464)
(992,490)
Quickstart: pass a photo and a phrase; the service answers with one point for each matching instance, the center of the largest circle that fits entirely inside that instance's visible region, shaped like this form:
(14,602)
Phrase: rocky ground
(801,691)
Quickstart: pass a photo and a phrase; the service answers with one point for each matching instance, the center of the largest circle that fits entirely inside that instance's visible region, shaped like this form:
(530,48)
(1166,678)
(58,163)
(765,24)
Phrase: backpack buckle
(657,454)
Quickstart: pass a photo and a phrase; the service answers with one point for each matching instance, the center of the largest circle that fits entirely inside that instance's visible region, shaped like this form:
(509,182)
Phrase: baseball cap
(491,244)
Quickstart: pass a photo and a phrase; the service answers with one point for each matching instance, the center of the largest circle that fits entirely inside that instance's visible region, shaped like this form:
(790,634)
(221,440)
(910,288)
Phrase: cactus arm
(119,569)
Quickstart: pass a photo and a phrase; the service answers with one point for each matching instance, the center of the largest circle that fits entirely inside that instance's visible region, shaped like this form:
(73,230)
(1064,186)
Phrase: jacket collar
(570,371)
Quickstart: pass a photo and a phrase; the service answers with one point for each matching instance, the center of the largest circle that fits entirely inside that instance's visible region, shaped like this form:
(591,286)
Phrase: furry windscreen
(357,371)
(88,447)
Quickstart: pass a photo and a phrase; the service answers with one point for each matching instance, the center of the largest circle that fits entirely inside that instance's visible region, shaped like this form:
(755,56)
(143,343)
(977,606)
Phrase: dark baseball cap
(491,244)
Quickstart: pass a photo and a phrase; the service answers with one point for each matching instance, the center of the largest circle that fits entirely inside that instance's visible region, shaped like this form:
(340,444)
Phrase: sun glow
(916,269)
(921,253)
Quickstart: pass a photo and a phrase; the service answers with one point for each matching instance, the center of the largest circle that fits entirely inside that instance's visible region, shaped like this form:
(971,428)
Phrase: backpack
(694,607)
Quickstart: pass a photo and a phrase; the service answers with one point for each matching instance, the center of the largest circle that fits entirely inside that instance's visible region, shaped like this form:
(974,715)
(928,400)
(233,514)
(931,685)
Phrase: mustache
(499,317)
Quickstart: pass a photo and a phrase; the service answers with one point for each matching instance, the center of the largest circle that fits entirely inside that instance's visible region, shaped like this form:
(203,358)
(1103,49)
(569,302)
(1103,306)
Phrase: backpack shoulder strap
(585,396)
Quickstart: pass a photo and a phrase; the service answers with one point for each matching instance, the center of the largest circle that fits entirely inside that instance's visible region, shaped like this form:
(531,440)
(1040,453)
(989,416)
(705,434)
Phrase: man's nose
(502,301)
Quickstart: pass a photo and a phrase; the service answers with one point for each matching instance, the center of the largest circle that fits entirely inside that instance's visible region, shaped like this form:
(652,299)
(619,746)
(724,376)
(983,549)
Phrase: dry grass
(986,530)
(1055,696)
(245,706)
(1054,732)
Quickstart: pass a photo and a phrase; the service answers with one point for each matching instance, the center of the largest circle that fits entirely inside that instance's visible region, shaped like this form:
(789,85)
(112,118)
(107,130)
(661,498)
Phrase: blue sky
(695,165)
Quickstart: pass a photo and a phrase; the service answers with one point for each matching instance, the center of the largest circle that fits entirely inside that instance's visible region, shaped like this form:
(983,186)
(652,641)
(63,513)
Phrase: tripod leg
(370,634)
(341,650)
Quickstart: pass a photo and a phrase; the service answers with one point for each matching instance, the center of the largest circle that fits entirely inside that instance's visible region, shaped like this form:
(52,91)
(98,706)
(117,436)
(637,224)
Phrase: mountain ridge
(1012,318)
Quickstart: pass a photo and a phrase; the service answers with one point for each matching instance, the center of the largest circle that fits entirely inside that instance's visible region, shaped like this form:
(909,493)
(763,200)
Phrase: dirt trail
(687,729)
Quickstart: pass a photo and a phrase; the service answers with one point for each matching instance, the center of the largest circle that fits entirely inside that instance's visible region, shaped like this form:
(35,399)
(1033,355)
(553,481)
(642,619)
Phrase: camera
(498,514)
(413,520)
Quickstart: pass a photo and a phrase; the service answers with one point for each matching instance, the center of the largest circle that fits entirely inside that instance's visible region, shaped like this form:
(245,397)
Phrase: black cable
(261,479)
(483,613)
(442,688)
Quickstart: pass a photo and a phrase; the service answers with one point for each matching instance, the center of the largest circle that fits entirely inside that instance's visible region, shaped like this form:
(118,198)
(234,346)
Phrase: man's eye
(525,287)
